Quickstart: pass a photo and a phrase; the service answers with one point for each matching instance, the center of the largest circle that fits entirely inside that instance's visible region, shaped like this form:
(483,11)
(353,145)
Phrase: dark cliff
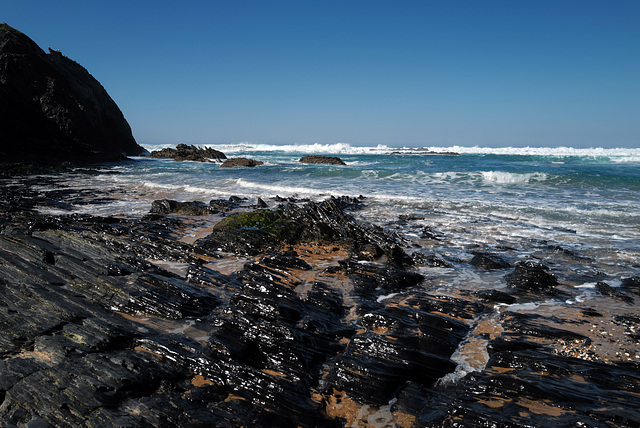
(53,111)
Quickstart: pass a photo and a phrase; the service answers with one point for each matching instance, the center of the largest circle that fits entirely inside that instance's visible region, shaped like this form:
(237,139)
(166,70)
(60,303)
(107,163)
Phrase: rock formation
(183,152)
(112,322)
(240,162)
(53,110)
(328,160)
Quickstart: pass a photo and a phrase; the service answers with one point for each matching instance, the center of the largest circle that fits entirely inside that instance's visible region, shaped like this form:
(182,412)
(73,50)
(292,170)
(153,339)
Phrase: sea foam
(618,155)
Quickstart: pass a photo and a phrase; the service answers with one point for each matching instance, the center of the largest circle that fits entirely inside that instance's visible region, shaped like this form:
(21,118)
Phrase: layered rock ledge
(322,320)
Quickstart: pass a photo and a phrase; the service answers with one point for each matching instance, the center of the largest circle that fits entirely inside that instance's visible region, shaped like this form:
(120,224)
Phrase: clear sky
(394,72)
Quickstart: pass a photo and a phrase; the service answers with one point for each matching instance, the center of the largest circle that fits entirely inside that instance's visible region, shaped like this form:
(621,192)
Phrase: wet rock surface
(326,160)
(184,152)
(326,321)
(242,162)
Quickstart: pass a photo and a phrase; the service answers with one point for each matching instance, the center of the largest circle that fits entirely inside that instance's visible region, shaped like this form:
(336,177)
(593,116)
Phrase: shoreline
(305,334)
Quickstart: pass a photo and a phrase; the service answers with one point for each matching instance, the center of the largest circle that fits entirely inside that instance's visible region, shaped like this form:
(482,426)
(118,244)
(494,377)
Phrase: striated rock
(241,162)
(183,152)
(53,111)
(256,231)
(327,160)
(310,333)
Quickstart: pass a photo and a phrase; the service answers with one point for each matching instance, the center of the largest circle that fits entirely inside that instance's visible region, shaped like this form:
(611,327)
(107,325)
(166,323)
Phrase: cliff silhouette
(53,111)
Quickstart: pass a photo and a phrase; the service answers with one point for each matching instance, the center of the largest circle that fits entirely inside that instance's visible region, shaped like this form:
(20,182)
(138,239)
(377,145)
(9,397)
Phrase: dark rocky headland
(53,111)
(285,313)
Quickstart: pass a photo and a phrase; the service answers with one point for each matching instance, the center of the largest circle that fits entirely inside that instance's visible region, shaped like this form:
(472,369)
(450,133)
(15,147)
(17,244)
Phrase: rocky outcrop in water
(242,162)
(183,152)
(326,160)
(53,110)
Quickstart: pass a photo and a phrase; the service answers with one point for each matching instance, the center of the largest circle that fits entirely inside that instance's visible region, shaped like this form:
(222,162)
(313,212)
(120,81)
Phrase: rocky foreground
(295,315)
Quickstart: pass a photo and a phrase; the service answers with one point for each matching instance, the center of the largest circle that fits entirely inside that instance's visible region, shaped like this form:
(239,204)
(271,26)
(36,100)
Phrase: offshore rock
(53,111)
(184,152)
(232,162)
(326,160)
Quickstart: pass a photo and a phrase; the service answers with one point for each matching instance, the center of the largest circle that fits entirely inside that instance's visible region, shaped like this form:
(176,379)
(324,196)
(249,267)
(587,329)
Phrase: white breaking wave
(613,154)
(246,147)
(280,190)
(502,177)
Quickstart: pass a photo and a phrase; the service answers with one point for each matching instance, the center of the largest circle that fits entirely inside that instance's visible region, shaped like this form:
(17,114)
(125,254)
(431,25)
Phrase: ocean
(518,201)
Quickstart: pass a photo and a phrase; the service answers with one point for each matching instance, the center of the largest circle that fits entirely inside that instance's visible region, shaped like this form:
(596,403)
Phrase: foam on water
(247,147)
(622,155)
(502,177)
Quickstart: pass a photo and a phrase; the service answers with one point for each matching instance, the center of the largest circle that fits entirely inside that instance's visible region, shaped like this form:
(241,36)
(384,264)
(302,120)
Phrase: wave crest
(502,177)
(617,155)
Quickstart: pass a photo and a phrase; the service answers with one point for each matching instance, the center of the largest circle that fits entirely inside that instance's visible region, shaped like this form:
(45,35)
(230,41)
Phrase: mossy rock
(267,220)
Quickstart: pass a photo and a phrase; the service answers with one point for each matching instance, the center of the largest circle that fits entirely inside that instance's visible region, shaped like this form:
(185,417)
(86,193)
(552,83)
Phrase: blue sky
(400,73)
